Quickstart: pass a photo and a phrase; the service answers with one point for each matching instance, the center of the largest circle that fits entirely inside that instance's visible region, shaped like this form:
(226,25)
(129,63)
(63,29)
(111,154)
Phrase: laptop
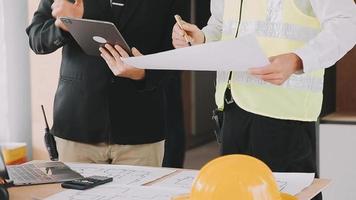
(92,34)
(37,173)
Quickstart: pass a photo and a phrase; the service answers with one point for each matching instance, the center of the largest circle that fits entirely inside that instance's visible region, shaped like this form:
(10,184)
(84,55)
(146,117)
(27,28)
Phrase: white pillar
(15,96)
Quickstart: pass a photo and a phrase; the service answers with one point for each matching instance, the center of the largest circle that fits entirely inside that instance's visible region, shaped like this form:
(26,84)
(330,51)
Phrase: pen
(179,22)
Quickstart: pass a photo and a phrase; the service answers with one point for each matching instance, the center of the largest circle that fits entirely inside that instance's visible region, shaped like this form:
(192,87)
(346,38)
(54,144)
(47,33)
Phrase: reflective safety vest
(281,26)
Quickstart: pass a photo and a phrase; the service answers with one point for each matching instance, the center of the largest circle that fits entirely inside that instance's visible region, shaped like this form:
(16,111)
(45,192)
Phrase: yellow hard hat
(235,177)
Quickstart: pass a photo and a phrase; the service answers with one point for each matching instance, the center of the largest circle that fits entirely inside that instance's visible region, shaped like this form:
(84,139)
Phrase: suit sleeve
(159,78)
(44,36)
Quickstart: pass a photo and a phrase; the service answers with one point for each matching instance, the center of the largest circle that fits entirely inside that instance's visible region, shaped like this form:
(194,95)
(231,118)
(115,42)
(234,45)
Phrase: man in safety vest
(269,112)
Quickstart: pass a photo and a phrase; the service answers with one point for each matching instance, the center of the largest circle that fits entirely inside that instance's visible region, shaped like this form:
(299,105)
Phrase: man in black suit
(99,117)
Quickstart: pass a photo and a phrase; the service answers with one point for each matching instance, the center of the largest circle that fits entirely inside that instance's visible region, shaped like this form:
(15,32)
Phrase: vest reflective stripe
(279,30)
(280,27)
(303,82)
(300,82)
(276,30)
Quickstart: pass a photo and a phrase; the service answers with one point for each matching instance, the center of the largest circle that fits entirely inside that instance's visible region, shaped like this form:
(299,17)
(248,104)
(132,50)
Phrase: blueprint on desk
(118,192)
(123,174)
(130,183)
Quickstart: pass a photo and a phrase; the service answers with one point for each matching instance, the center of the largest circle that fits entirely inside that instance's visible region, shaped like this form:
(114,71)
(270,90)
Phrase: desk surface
(339,118)
(39,192)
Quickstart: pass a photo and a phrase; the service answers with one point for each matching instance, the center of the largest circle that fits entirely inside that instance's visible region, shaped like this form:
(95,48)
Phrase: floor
(197,157)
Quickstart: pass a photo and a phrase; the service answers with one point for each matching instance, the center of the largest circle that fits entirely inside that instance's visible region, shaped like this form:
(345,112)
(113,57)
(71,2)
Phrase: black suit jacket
(91,105)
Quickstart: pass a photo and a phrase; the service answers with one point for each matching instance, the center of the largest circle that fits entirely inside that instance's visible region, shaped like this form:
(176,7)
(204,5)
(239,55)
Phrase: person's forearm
(336,38)
(44,36)
(213,30)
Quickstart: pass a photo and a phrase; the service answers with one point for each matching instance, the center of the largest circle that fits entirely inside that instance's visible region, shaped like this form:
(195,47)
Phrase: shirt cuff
(309,58)
(208,37)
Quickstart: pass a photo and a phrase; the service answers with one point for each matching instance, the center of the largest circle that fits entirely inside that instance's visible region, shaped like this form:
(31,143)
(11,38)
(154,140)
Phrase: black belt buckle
(218,121)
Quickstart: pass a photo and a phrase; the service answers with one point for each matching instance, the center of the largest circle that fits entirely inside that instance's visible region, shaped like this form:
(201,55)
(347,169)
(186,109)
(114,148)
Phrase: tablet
(92,34)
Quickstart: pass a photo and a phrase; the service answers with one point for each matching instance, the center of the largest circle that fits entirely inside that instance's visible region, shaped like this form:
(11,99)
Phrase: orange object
(235,177)
(14,153)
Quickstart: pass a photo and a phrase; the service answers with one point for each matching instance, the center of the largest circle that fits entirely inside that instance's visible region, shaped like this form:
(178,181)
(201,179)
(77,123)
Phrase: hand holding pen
(185,34)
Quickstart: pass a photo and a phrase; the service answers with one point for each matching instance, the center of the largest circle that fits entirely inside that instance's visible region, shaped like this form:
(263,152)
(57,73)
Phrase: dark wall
(340,86)
(346,83)
(329,92)
(198,89)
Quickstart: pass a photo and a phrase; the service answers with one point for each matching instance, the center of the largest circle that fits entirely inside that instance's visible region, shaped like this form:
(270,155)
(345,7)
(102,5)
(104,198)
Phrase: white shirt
(337,37)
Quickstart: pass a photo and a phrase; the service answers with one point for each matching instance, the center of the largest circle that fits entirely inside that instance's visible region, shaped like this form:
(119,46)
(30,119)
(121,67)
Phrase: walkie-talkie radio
(49,140)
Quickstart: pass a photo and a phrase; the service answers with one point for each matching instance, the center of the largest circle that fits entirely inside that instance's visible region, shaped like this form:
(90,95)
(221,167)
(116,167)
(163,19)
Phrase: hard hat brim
(181,197)
(285,196)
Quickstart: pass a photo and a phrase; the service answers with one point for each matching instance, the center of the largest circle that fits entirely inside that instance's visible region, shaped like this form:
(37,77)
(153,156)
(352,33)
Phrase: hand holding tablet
(113,57)
(100,38)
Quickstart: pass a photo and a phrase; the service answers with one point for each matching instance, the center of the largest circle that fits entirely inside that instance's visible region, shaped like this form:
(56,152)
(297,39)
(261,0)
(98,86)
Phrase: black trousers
(174,152)
(284,145)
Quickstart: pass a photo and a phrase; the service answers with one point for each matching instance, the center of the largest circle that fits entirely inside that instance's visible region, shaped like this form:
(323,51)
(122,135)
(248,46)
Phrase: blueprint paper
(293,183)
(122,174)
(128,183)
(118,192)
(182,180)
(230,55)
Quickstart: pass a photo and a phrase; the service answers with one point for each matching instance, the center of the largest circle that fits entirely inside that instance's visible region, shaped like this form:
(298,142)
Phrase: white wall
(15,102)
(338,160)
(4,128)
(44,79)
